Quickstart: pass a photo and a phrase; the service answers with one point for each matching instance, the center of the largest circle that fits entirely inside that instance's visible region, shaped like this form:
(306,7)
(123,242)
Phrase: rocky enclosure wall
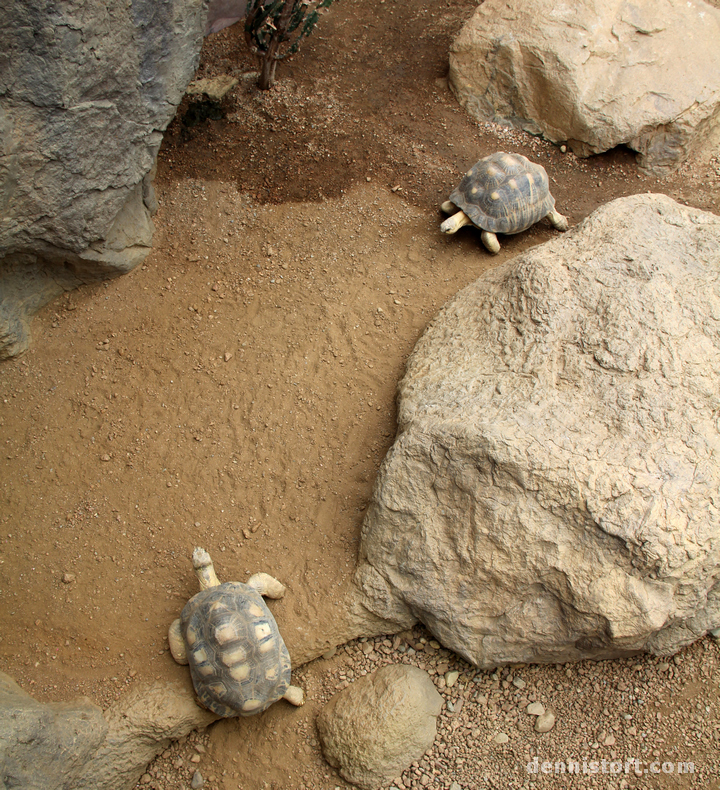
(86,91)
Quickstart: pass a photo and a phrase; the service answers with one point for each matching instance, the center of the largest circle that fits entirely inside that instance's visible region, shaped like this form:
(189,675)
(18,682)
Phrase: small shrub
(275,28)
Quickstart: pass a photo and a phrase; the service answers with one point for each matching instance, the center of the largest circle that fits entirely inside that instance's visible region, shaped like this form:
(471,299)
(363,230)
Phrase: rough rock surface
(372,730)
(86,91)
(552,491)
(74,745)
(597,74)
(45,746)
(140,725)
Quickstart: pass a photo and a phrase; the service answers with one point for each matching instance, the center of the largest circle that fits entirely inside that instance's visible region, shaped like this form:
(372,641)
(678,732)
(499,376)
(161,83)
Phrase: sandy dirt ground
(237,392)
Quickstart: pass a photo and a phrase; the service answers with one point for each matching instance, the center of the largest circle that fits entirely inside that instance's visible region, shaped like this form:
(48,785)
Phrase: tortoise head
(204,569)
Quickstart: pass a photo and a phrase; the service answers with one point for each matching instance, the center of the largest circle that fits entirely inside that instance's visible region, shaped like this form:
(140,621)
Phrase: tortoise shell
(238,661)
(504,193)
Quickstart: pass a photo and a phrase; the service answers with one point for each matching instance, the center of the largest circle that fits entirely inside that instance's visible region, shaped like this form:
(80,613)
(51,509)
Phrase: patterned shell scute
(504,193)
(238,661)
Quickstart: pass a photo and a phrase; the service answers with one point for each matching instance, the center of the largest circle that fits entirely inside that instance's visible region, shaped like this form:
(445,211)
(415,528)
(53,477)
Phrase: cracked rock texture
(597,74)
(86,91)
(552,493)
(376,727)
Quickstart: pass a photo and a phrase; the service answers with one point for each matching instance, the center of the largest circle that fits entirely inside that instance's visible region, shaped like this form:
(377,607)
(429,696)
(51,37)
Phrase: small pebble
(519,683)
(535,709)
(545,722)
(68,578)
(451,678)
(501,737)
(197,780)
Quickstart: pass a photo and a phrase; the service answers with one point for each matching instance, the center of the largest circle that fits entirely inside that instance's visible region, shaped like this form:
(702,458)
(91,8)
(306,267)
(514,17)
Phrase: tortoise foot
(490,241)
(295,696)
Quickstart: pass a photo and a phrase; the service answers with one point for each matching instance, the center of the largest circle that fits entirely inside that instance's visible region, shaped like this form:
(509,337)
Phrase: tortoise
(502,193)
(238,661)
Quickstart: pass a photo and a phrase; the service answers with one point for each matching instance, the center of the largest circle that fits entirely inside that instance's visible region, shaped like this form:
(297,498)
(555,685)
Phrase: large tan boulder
(597,74)
(552,493)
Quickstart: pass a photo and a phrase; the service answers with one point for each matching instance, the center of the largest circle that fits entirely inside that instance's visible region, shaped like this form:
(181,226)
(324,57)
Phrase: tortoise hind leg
(490,241)
(557,220)
(295,696)
(266,585)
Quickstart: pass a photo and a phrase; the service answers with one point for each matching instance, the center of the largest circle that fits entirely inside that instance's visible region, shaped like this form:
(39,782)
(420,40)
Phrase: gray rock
(551,493)
(86,90)
(376,727)
(596,74)
(45,746)
(74,745)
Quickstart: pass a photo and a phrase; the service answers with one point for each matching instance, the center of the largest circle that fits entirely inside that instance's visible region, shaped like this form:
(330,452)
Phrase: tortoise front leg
(266,585)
